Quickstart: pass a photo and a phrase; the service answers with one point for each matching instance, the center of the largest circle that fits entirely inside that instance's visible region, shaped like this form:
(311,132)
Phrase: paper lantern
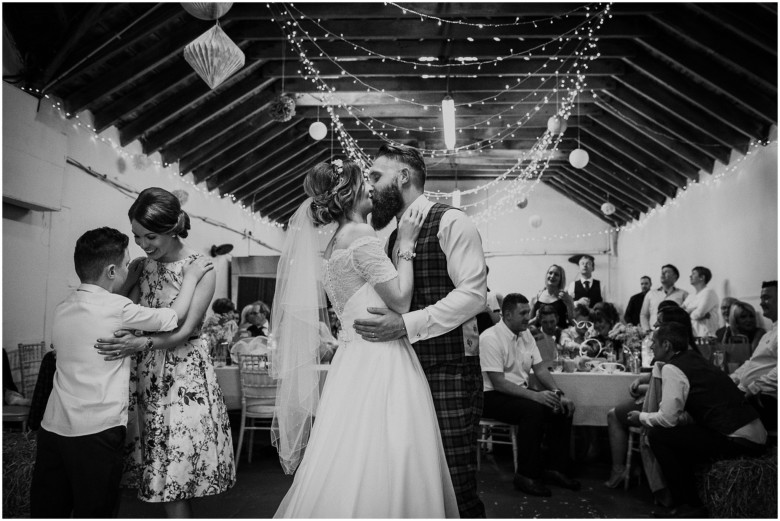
(318,130)
(182,196)
(535,221)
(282,108)
(214,56)
(607,208)
(522,202)
(207,10)
(578,158)
(557,125)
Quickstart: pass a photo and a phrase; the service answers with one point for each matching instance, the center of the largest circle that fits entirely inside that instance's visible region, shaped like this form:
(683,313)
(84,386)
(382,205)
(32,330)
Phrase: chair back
(29,359)
(256,384)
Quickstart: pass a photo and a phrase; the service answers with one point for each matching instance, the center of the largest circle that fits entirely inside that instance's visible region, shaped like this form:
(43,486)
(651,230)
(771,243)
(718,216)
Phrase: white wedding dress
(375,449)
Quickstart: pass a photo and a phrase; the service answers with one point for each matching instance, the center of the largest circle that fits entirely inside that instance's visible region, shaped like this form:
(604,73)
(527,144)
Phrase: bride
(375,448)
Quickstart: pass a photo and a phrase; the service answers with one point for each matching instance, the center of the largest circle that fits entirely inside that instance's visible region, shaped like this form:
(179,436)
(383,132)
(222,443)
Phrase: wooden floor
(260,486)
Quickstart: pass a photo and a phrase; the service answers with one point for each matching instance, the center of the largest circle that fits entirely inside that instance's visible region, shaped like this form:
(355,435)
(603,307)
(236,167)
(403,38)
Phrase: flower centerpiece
(218,329)
(631,337)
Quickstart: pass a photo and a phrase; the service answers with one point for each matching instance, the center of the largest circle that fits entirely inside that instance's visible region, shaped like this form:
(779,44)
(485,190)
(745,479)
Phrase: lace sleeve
(371,261)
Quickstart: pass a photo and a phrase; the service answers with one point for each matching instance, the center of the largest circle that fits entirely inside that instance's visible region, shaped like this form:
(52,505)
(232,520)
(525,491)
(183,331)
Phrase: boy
(78,463)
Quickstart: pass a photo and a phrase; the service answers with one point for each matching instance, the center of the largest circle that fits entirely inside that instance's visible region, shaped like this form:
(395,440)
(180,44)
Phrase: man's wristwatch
(406,255)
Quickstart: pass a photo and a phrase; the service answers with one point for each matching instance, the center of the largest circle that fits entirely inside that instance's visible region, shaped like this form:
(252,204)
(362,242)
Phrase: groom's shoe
(531,486)
(562,480)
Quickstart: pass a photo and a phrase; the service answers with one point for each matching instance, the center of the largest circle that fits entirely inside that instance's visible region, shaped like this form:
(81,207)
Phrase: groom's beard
(387,203)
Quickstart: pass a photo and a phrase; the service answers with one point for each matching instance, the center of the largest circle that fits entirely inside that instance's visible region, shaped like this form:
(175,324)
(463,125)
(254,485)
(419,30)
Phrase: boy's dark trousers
(77,476)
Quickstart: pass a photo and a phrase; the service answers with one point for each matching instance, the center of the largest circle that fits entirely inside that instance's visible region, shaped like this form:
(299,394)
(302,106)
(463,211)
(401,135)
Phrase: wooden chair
(488,429)
(29,357)
(258,396)
(16,413)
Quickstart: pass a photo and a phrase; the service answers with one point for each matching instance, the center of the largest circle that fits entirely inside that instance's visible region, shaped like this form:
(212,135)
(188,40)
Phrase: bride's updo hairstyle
(160,211)
(333,188)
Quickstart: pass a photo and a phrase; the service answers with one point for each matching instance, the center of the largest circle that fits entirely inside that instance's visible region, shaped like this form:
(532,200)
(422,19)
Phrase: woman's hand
(409,228)
(123,344)
(198,267)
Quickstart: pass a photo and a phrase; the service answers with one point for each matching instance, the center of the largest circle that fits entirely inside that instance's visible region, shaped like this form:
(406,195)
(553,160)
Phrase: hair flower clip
(338,166)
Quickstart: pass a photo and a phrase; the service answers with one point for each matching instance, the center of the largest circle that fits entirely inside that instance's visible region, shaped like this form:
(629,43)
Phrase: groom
(449,291)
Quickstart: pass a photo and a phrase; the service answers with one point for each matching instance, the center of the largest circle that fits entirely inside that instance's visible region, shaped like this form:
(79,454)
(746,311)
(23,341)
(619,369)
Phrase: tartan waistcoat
(431,284)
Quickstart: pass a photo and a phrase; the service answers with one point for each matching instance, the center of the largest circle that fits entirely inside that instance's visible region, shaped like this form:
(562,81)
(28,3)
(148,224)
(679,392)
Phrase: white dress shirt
(759,374)
(462,246)
(501,351)
(700,304)
(649,313)
(91,394)
(671,411)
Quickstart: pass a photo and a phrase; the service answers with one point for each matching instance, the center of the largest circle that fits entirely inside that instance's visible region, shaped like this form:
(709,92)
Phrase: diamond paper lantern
(207,10)
(214,56)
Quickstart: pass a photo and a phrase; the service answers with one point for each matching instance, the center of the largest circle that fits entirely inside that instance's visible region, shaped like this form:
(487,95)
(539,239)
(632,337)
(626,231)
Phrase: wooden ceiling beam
(363,98)
(465,116)
(617,195)
(715,105)
(266,136)
(227,122)
(608,160)
(602,170)
(195,105)
(248,184)
(269,184)
(531,129)
(765,38)
(267,147)
(593,194)
(560,187)
(675,170)
(704,69)
(285,210)
(656,143)
(133,69)
(670,103)
(196,157)
(626,101)
(752,63)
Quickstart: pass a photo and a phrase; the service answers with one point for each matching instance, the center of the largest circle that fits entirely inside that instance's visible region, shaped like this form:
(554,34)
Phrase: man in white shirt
(649,314)
(702,306)
(724,424)
(757,377)
(449,291)
(79,458)
(585,289)
(508,352)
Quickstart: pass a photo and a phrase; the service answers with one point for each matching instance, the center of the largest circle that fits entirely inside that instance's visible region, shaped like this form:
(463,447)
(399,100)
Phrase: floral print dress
(179,444)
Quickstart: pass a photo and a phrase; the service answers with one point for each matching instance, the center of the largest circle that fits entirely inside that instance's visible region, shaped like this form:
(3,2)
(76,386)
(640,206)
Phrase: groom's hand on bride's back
(385,326)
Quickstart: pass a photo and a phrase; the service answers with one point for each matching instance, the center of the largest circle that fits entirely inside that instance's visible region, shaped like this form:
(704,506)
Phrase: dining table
(593,393)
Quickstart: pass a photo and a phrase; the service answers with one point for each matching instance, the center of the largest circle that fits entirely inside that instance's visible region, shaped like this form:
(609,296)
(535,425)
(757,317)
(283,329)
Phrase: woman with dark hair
(375,449)
(605,317)
(554,294)
(178,426)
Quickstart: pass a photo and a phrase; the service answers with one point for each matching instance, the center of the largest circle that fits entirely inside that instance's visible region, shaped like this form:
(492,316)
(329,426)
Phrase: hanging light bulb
(448,117)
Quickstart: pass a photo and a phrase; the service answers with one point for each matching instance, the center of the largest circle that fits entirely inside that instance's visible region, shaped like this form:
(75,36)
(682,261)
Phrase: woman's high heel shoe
(616,477)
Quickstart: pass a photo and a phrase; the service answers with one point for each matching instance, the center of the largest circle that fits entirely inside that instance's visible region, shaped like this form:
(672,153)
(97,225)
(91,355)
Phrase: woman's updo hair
(160,211)
(334,187)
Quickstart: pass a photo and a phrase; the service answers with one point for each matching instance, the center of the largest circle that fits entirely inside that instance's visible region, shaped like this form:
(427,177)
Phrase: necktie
(587,285)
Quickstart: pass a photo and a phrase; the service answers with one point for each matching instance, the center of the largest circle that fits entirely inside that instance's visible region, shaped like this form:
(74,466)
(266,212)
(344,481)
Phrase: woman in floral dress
(179,443)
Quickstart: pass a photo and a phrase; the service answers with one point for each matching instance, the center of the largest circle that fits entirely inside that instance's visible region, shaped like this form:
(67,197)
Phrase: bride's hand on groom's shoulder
(385,326)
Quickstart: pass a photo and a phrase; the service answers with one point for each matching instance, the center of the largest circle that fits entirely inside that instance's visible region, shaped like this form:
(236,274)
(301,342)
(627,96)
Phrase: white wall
(728,225)
(38,245)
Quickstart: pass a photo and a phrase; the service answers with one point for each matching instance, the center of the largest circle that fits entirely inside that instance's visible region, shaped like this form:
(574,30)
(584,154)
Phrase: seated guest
(743,322)
(635,302)
(555,295)
(617,417)
(547,335)
(604,317)
(723,424)
(757,377)
(585,290)
(254,320)
(702,306)
(507,354)
(574,335)
(667,291)
(725,312)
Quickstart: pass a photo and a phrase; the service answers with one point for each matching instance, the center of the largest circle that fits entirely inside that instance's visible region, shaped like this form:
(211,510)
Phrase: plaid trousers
(457,396)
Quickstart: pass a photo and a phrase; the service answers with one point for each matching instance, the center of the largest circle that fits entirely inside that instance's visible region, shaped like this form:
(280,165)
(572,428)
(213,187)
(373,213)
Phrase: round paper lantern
(607,208)
(535,221)
(557,125)
(318,130)
(522,202)
(578,158)
(207,10)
